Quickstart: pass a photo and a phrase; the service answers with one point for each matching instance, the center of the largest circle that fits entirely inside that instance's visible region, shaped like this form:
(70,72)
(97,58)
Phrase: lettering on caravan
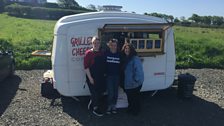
(80,45)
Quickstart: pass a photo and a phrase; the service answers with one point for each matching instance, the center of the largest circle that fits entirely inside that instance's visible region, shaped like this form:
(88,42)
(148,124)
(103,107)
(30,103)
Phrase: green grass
(24,30)
(199,47)
(195,47)
(26,36)
(197,34)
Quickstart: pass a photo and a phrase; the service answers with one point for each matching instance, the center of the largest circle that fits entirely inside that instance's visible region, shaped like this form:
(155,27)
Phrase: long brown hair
(132,49)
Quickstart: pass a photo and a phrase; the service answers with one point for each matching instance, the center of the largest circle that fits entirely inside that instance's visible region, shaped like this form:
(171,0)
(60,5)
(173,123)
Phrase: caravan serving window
(149,42)
(147,39)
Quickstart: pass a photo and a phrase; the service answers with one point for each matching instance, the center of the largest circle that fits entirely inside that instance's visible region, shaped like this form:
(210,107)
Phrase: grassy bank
(27,35)
(23,30)
(195,47)
(199,47)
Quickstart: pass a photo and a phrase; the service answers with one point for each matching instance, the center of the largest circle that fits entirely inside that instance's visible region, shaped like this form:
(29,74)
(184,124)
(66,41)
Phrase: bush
(24,59)
(50,5)
(185,23)
(33,63)
(212,51)
(39,12)
(18,10)
(192,24)
(2,5)
(22,53)
(5,45)
(201,53)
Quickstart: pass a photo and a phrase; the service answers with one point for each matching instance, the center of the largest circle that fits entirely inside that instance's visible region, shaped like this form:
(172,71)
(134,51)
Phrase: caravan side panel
(79,39)
(170,58)
(59,64)
(154,72)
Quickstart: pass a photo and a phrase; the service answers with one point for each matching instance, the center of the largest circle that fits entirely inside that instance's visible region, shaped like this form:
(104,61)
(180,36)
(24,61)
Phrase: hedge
(5,45)
(39,12)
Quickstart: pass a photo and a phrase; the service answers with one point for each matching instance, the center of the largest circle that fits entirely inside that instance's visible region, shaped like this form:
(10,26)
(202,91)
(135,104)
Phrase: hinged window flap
(136,27)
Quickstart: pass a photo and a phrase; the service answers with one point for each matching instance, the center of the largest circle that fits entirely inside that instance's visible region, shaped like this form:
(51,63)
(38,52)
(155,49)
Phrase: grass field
(27,35)
(199,47)
(195,47)
(20,30)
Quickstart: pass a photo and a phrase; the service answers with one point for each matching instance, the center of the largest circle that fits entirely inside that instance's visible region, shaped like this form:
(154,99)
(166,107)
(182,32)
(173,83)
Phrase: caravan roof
(131,18)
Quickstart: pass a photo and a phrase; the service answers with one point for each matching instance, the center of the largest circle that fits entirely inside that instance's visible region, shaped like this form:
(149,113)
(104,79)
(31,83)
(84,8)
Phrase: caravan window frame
(159,28)
(145,49)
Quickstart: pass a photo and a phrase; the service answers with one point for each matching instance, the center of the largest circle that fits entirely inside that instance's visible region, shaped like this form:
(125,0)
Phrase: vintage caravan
(152,37)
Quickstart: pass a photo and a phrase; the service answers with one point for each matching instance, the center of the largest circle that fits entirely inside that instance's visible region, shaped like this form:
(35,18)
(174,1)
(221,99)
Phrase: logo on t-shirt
(113,59)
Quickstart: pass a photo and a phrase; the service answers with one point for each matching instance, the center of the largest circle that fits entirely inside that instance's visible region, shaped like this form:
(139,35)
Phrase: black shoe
(97,112)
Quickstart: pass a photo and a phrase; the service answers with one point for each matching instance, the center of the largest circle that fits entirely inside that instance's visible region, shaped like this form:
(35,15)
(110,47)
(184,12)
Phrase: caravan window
(134,43)
(147,39)
(141,44)
(157,44)
(147,42)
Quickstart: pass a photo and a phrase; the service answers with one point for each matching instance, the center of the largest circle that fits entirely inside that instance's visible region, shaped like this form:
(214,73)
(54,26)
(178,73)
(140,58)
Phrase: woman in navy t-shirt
(112,72)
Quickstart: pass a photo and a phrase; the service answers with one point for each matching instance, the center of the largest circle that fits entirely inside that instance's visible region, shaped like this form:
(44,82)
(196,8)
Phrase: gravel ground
(22,104)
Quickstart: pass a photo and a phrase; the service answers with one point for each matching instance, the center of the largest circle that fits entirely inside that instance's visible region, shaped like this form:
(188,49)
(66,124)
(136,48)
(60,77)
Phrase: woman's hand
(91,80)
(89,76)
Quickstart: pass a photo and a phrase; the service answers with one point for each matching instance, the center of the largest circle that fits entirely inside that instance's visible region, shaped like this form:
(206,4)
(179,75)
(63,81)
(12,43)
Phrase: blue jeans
(112,90)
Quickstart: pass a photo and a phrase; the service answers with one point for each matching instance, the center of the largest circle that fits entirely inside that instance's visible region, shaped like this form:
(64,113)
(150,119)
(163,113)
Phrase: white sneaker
(89,105)
(97,112)
(114,110)
(108,110)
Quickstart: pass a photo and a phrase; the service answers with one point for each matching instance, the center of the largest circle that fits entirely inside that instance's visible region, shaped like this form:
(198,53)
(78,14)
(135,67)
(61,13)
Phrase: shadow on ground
(164,109)
(8,88)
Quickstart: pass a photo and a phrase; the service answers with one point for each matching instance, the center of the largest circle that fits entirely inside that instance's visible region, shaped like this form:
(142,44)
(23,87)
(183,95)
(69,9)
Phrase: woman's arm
(138,69)
(87,60)
(89,76)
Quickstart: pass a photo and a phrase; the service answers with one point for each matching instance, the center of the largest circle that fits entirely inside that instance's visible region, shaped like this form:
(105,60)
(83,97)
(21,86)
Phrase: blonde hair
(95,38)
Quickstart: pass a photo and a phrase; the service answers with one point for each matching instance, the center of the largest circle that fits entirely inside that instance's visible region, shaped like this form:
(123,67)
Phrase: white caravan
(152,37)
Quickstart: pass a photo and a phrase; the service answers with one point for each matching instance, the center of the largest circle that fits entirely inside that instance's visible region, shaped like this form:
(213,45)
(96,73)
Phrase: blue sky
(177,8)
